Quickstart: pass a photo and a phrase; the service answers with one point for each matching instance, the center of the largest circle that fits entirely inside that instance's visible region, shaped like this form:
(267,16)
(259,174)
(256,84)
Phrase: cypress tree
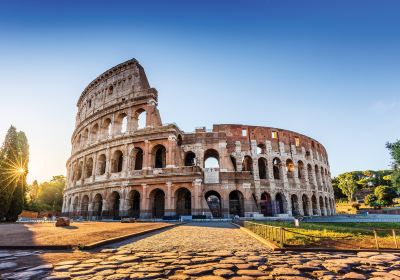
(14,156)
(18,199)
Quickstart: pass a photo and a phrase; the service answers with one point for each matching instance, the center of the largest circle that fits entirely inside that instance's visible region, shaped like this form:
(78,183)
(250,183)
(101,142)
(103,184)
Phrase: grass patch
(338,235)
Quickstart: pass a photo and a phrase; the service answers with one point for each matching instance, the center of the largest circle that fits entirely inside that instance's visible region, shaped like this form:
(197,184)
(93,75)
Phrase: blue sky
(329,69)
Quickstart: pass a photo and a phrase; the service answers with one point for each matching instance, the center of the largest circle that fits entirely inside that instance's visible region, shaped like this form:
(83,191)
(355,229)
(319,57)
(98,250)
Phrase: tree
(47,196)
(14,156)
(347,185)
(394,149)
(18,198)
(385,195)
(370,200)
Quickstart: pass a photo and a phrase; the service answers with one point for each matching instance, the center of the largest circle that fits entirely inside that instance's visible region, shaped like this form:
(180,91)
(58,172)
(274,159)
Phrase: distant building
(126,163)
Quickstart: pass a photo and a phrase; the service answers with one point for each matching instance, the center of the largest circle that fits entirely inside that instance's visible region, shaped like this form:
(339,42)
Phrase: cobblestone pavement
(208,252)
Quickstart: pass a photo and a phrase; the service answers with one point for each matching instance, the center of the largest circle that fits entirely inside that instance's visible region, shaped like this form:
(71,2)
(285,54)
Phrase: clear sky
(329,69)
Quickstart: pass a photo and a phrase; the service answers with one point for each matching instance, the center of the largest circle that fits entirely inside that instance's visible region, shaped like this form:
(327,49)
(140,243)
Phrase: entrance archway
(236,204)
(134,204)
(114,205)
(314,205)
(295,205)
(183,202)
(280,204)
(214,203)
(306,208)
(85,207)
(157,198)
(97,206)
(266,204)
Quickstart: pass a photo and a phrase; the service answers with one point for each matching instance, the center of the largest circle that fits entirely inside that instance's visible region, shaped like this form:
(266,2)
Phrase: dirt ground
(77,234)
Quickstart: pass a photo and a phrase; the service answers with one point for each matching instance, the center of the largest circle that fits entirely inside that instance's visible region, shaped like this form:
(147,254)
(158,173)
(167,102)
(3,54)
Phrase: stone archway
(236,204)
(183,202)
(157,199)
(114,202)
(306,208)
(133,204)
(97,206)
(266,204)
(295,205)
(213,199)
(280,204)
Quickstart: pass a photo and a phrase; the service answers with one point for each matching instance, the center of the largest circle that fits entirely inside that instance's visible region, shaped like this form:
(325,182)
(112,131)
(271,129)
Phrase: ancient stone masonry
(126,163)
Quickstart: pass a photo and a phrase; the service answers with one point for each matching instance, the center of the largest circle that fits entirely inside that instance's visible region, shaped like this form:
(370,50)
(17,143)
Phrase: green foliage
(347,184)
(394,149)
(370,200)
(385,195)
(47,196)
(14,157)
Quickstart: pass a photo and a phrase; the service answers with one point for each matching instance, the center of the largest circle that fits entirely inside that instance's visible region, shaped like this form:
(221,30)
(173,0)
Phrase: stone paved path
(212,251)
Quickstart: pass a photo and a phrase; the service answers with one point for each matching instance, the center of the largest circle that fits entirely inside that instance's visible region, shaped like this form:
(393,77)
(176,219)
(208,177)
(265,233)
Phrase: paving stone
(198,271)
(251,272)
(223,272)
(27,275)
(354,276)
(7,265)
(285,272)
(68,263)
(63,267)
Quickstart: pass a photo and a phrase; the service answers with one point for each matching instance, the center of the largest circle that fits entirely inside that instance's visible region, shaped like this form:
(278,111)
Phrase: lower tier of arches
(171,201)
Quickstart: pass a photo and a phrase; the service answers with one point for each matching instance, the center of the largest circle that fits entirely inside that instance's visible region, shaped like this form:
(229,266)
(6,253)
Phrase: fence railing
(276,235)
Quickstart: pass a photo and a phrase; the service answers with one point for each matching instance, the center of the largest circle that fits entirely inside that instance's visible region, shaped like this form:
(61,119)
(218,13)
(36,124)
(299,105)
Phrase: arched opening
(69,205)
(261,149)
(190,159)
(122,123)
(300,169)
(277,168)
(80,170)
(306,208)
(262,168)
(137,159)
(89,168)
(322,206)
(160,156)
(310,174)
(214,203)
(248,164)
(141,119)
(290,169)
(295,205)
(157,198)
(266,204)
(85,207)
(107,128)
(183,202)
(117,162)
(97,206)
(134,204)
(94,132)
(114,205)
(328,210)
(75,206)
(236,204)
(280,204)
(233,160)
(101,163)
(179,140)
(314,205)
(211,159)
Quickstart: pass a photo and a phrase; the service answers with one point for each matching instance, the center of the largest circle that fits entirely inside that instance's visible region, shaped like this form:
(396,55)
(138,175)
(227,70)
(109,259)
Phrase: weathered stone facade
(126,163)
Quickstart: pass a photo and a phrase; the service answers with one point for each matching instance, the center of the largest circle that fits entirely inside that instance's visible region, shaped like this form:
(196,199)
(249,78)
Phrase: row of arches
(114,206)
(158,155)
(110,208)
(109,126)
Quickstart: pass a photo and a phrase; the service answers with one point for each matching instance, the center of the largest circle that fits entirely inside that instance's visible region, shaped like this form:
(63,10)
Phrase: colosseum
(126,163)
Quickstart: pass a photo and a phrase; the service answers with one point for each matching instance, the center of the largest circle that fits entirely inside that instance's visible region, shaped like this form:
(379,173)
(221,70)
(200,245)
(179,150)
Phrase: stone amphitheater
(126,163)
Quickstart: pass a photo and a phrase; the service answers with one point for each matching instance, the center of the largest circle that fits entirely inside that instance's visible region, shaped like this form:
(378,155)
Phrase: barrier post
(395,239)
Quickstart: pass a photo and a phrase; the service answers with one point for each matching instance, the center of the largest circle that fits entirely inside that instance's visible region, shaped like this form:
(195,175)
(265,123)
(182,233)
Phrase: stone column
(197,208)
(171,151)
(145,212)
(169,208)
(147,156)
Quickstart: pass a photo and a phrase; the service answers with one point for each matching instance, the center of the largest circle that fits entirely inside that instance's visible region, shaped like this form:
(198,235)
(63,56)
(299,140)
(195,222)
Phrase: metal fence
(276,235)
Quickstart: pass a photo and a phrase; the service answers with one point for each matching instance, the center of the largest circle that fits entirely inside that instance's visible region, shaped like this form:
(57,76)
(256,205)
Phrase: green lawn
(339,235)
